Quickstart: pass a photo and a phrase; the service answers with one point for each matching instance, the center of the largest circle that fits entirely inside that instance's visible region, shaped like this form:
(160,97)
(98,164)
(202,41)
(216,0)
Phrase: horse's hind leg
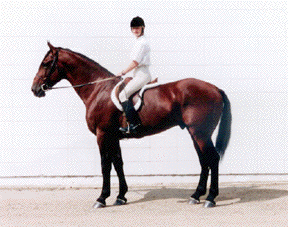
(209,159)
(214,187)
(202,185)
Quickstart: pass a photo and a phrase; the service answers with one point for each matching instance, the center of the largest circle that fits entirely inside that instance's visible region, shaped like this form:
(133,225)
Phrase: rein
(45,88)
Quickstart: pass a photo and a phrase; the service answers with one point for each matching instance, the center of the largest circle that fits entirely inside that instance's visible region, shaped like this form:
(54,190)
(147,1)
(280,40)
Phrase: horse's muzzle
(38,91)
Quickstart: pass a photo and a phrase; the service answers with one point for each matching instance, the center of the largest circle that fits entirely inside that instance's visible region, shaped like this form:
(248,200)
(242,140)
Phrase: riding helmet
(137,22)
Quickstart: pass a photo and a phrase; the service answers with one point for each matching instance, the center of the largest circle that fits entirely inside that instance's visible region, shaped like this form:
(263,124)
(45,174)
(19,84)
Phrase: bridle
(45,87)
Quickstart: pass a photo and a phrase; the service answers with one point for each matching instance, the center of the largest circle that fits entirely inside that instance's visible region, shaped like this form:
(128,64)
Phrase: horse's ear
(52,48)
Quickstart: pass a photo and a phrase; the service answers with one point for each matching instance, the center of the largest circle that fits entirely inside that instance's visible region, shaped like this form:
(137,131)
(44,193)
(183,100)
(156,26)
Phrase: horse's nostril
(37,91)
(33,89)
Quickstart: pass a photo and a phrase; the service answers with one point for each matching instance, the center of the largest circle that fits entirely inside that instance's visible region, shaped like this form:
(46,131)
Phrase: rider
(140,57)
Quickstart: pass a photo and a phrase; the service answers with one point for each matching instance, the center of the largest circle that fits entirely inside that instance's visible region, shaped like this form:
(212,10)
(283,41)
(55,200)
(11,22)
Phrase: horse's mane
(88,59)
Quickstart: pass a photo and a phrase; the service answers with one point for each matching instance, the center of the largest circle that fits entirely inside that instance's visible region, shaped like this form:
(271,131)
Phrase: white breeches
(140,78)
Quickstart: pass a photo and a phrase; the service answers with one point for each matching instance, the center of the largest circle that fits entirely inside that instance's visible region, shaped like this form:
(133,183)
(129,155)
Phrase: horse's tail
(224,132)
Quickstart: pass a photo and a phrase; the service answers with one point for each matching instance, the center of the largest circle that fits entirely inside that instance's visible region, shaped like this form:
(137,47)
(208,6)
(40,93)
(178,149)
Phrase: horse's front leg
(118,165)
(106,170)
(106,165)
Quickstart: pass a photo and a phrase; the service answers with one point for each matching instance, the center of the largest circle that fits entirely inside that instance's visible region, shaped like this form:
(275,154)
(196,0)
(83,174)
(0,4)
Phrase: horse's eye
(45,64)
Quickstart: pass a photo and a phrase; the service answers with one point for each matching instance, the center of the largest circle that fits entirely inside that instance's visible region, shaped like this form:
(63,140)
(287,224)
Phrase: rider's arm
(131,66)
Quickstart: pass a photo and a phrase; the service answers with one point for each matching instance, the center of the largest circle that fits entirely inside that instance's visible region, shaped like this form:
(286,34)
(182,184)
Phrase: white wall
(241,46)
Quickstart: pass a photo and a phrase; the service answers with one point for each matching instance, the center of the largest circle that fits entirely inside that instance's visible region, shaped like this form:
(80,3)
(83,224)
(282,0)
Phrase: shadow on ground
(234,194)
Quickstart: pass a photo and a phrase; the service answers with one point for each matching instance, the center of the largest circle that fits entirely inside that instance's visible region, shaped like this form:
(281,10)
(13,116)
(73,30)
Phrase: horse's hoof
(98,205)
(209,204)
(193,201)
(119,202)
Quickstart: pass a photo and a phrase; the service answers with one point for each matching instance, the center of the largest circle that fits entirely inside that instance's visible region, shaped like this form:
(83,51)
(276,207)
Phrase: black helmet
(137,22)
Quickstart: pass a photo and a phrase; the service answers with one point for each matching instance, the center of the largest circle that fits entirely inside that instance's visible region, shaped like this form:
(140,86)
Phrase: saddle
(122,84)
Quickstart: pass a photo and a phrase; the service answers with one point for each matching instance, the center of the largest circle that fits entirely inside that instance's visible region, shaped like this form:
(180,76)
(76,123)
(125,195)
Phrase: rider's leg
(141,78)
(132,117)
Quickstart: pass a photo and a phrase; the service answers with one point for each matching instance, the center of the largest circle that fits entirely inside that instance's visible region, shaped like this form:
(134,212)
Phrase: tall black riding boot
(132,117)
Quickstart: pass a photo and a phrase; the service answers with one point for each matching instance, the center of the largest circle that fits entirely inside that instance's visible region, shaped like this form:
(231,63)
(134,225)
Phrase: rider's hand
(120,74)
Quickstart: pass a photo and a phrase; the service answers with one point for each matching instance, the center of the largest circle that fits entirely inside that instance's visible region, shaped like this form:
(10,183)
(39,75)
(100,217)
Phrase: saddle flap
(138,101)
(121,86)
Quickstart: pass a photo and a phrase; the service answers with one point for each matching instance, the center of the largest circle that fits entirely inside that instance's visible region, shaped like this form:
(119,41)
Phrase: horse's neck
(82,71)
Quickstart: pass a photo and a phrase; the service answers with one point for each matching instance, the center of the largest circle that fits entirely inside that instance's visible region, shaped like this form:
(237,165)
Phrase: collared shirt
(141,51)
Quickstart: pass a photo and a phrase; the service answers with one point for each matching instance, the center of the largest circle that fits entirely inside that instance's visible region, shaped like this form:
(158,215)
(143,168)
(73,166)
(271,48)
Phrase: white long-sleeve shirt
(141,51)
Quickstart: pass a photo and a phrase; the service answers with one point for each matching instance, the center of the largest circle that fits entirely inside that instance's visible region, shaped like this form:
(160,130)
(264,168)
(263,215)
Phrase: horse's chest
(93,119)
(98,119)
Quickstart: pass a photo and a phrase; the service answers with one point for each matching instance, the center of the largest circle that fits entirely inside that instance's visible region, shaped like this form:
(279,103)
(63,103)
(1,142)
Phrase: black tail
(224,132)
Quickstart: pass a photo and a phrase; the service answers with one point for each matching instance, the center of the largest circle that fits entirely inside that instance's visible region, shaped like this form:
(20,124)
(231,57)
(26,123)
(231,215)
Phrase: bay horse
(189,103)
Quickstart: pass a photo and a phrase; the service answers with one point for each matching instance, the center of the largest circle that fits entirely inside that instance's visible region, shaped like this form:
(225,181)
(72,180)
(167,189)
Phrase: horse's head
(49,72)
